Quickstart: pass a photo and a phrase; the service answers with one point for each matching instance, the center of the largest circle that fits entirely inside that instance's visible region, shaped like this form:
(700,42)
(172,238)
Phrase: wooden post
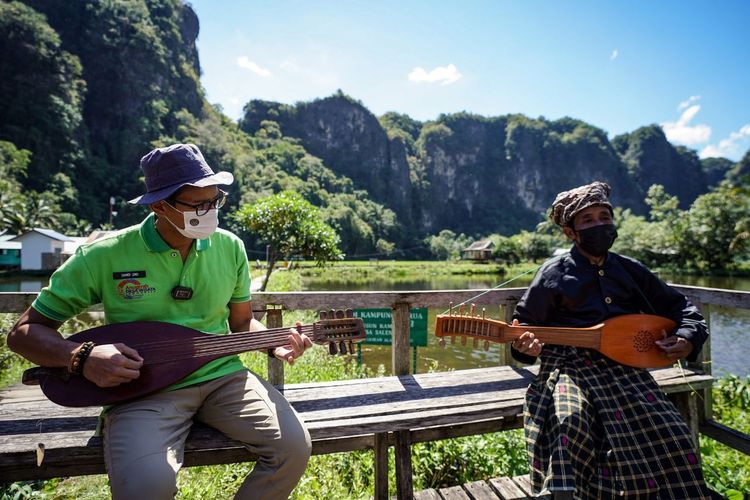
(380,448)
(704,363)
(275,366)
(404,488)
(687,405)
(401,329)
(401,324)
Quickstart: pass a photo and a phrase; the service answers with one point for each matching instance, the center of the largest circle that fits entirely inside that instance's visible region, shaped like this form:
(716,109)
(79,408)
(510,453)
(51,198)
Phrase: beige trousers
(144,440)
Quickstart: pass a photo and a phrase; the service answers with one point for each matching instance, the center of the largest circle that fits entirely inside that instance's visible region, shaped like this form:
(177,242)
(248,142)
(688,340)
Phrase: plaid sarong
(605,430)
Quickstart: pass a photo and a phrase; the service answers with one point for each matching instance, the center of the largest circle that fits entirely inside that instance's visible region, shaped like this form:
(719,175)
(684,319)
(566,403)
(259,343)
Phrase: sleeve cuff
(50,313)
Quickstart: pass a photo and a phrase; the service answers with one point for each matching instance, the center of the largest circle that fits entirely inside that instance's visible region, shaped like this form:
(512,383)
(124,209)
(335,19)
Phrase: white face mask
(197,227)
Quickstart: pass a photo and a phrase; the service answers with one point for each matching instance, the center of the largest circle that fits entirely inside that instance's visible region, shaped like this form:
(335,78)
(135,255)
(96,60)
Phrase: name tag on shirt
(128,274)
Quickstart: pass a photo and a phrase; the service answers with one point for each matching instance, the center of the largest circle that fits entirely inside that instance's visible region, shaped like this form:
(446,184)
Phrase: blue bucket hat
(168,169)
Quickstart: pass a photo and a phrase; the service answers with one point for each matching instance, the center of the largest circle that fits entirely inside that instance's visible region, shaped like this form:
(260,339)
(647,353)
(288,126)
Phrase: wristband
(79,357)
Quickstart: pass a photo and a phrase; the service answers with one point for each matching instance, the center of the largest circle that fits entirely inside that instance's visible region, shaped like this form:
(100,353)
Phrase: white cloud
(614,55)
(681,131)
(244,62)
(690,100)
(732,147)
(444,75)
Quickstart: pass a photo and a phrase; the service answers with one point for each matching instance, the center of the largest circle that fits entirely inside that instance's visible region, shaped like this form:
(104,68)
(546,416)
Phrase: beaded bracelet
(79,357)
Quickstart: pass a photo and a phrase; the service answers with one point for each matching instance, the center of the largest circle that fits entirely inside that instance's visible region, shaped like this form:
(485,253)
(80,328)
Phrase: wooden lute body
(171,352)
(627,339)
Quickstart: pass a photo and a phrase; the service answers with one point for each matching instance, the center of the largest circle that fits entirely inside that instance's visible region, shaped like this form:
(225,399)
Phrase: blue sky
(617,65)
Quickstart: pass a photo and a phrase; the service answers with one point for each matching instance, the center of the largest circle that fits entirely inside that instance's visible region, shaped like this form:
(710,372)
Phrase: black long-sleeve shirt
(569,291)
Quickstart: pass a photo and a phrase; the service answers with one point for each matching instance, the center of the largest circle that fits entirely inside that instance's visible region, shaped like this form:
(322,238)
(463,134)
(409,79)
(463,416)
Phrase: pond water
(730,341)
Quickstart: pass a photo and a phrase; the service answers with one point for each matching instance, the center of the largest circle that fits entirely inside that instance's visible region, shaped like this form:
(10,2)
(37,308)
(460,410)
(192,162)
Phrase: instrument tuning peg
(342,347)
(349,313)
(332,348)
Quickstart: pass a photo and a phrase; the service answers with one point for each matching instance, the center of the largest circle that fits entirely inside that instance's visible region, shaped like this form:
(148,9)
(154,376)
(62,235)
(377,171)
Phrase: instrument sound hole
(643,341)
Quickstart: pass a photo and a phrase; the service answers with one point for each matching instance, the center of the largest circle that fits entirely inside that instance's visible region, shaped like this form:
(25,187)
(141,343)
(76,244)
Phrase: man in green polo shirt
(178,267)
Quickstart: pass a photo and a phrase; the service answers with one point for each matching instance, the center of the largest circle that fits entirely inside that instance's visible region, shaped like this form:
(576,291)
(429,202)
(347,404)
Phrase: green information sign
(378,326)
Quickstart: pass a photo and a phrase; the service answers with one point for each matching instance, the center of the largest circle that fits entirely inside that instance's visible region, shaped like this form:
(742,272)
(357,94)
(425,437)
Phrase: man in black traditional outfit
(595,428)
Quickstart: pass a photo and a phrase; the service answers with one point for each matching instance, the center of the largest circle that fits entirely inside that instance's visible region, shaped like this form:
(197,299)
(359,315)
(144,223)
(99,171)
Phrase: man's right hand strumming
(110,365)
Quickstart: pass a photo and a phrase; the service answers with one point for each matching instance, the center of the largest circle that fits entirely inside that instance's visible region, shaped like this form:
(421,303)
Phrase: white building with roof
(10,251)
(43,249)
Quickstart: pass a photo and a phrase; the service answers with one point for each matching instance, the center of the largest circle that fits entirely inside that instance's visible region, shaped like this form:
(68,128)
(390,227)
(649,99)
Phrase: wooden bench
(373,413)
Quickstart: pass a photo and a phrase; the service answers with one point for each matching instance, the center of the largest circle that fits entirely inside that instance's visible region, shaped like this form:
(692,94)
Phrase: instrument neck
(239,342)
(589,338)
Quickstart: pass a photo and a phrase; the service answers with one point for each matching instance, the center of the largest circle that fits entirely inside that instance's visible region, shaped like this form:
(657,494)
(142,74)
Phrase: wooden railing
(275,303)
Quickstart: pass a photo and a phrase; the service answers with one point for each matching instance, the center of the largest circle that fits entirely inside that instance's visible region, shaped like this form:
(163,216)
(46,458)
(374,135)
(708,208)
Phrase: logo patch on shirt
(132,289)
(128,274)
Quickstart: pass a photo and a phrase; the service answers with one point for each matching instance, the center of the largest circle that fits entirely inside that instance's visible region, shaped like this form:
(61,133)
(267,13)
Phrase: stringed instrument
(171,352)
(627,339)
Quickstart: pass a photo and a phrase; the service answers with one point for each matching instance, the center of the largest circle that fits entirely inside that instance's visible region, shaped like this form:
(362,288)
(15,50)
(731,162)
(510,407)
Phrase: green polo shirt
(132,274)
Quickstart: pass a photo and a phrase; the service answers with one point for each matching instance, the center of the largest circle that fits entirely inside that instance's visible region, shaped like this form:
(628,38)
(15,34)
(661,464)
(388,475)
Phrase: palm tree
(23,213)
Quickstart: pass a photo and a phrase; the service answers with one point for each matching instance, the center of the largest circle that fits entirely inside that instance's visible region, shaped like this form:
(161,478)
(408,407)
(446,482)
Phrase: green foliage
(41,94)
(21,211)
(451,462)
(534,246)
(506,249)
(711,236)
(363,224)
(446,245)
(726,470)
(291,226)
(716,229)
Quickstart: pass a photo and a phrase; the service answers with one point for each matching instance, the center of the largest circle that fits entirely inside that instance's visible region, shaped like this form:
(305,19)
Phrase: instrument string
(469,300)
(209,339)
(167,351)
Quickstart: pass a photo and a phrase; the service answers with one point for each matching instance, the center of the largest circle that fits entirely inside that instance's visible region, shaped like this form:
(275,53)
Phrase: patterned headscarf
(569,203)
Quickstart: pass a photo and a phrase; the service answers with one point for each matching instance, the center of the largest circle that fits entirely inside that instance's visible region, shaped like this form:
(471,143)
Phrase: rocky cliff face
(475,174)
(651,159)
(504,172)
(140,66)
(349,139)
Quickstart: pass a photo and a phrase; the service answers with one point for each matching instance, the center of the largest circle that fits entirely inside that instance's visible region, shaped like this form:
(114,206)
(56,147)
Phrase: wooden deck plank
(524,482)
(507,489)
(427,495)
(480,490)
(454,493)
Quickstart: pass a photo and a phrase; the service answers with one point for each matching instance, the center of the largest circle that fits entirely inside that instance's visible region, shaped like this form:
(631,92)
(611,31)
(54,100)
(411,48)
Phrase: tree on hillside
(717,228)
(290,226)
